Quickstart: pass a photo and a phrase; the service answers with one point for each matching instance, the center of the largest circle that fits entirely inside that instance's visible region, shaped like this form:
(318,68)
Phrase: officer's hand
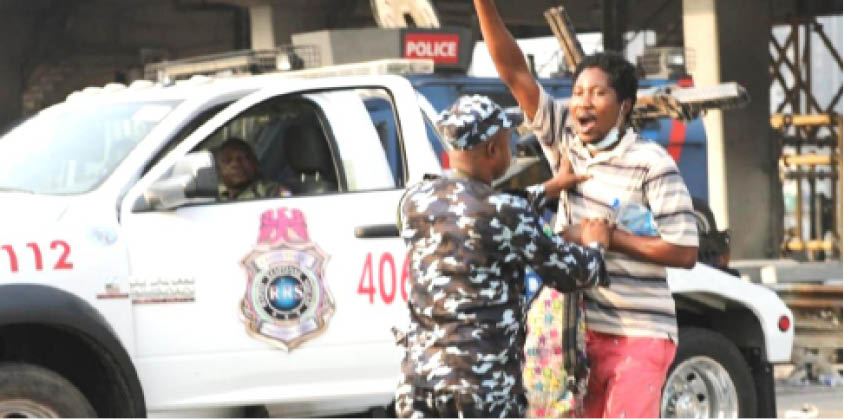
(564,180)
(595,229)
(572,234)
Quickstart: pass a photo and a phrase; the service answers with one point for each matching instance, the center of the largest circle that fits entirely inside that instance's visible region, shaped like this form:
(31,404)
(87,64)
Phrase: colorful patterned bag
(556,368)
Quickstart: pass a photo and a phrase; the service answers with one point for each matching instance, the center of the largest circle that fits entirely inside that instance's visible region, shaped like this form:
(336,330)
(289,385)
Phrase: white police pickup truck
(126,289)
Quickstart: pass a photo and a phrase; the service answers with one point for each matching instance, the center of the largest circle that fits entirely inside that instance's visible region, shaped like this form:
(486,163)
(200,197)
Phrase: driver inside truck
(240,174)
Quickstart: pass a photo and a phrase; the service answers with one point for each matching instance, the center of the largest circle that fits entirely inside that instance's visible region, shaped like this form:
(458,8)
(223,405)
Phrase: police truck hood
(22,209)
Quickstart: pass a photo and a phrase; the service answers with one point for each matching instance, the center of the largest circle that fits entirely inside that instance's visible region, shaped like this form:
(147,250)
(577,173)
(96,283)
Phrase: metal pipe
(561,26)
(836,189)
(808,160)
(799,211)
(804,174)
(809,245)
(792,140)
(778,121)
(814,212)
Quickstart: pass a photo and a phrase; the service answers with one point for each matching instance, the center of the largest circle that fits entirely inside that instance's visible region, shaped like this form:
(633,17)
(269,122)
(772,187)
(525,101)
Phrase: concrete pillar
(730,43)
(614,24)
(700,33)
(261,23)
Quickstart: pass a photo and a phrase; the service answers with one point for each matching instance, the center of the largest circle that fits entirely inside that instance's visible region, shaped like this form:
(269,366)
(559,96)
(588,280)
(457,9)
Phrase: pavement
(825,400)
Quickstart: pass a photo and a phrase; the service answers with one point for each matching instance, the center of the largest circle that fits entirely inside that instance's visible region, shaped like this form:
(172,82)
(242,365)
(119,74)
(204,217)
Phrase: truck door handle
(376,231)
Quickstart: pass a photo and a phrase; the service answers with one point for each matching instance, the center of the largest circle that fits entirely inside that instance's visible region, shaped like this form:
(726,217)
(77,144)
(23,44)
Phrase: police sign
(442,48)
(448,48)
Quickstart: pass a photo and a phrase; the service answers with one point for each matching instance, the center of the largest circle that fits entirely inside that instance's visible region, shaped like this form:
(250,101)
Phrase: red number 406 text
(389,285)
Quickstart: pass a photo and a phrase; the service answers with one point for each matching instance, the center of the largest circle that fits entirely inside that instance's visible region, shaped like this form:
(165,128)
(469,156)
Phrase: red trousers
(627,374)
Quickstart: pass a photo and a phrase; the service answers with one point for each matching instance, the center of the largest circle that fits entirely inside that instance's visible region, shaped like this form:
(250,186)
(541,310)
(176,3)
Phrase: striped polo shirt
(637,302)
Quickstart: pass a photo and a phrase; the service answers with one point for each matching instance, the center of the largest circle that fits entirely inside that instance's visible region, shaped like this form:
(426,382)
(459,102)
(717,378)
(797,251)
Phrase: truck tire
(708,378)
(28,390)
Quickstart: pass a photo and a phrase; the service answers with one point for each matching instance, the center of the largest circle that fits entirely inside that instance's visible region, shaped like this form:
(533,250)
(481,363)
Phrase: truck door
(271,299)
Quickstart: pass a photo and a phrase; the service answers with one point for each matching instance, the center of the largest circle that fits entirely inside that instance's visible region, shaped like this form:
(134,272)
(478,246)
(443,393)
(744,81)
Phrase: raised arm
(508,57)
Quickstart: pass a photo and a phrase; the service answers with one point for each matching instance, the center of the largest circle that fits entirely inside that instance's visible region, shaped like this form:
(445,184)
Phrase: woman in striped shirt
(631,326)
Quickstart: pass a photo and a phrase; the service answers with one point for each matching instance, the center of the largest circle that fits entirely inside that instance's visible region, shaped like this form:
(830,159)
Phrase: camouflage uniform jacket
(469,247)
(255,190)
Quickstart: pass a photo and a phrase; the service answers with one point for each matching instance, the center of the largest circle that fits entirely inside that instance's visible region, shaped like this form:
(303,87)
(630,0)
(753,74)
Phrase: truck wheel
(708,378)
(31,391)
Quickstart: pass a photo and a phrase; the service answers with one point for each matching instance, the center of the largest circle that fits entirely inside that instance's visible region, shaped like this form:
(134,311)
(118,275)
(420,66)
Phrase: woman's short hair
(622,74)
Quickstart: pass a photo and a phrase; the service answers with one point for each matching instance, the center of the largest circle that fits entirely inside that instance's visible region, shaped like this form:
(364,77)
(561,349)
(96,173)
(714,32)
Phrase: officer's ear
(498,143)
(490,148)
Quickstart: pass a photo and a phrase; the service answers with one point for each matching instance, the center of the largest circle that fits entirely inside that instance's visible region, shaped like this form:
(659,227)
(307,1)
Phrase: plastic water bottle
(634,217)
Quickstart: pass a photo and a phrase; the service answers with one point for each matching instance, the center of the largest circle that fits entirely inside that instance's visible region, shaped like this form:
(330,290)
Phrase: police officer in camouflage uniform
(240,173)
(469,247)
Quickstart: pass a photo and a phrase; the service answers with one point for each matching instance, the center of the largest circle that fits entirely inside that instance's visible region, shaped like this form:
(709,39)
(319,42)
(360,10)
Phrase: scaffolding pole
(799,119)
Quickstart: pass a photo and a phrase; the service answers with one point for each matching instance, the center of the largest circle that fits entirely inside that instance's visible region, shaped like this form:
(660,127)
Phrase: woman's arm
(508,57)
(643,248)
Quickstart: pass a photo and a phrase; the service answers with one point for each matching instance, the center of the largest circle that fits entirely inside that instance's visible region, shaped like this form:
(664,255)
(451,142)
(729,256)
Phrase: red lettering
(405,275)
(13,259)
(365,286)
(389,285)
(387,298)
(277,225)
(63,263)
(36,252)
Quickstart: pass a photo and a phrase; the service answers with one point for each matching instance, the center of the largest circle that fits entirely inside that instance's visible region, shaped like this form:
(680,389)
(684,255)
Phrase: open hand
(564,180)
(573,234)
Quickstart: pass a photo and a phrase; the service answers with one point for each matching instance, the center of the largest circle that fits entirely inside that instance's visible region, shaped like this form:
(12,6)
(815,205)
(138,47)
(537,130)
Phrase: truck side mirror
(193,179)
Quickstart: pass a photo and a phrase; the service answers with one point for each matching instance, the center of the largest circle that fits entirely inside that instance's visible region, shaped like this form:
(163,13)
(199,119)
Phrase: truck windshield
(71,149)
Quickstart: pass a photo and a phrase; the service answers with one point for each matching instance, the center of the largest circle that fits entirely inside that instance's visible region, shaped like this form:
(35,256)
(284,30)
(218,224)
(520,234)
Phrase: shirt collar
(223,191)
(623,145)
(459,174)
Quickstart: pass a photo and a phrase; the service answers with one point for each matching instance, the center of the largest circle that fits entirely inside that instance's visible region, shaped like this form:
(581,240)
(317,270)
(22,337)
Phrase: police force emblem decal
(286,300)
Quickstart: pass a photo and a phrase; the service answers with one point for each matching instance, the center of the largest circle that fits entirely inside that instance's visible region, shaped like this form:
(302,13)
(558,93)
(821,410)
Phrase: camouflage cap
(470,121)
